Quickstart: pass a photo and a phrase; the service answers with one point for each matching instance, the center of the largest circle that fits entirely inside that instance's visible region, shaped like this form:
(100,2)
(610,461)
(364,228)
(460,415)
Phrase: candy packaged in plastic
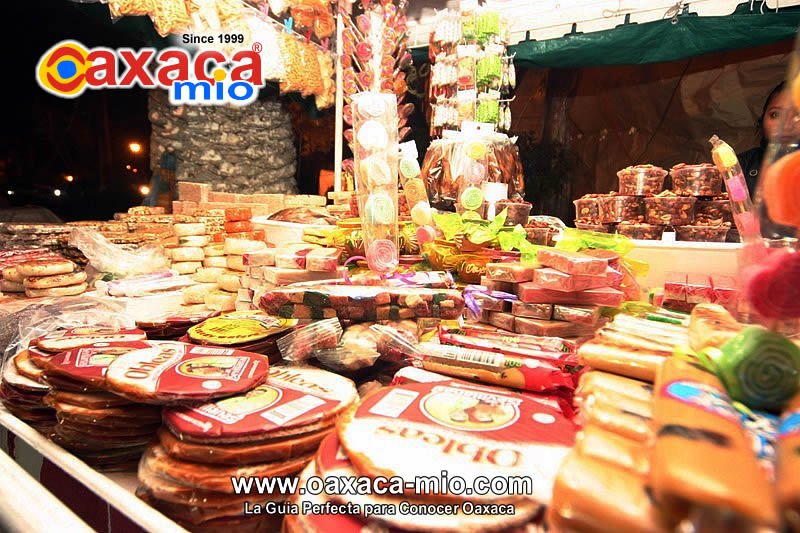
(301,343)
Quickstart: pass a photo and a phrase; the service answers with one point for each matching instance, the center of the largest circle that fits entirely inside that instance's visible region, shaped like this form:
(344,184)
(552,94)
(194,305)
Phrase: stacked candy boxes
(561,299)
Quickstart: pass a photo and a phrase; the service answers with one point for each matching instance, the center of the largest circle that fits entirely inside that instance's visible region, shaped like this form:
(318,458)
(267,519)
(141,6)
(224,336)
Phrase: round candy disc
(172,372)
(414,190)
(415,429)
(382,256)
(372,135)
(421,214)
(476,150)
(477,171)
(379,209)
(377,171)
(238,328)
(291,400)
(472,198)
(409,168)
(372,106)
(425,234)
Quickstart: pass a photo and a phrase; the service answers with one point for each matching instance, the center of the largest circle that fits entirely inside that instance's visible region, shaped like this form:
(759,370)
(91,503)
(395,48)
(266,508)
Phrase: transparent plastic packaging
(702,233)
(643,232)
(613,209)
(696,180)
(549,278)
(587,209)
(641,180)
(669,210)
(713,212)
(111,258)
(518,212)
(376,158)
(599,228)
(302,343)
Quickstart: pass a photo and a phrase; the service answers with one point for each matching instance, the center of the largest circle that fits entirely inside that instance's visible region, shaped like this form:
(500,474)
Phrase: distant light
(135,170)
(145,190)
(70,178)
(57,192)
(128,167)
(135,147)
(10,192)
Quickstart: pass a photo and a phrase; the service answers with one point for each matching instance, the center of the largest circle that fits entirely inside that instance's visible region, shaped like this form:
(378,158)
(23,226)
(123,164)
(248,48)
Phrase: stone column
(235,149)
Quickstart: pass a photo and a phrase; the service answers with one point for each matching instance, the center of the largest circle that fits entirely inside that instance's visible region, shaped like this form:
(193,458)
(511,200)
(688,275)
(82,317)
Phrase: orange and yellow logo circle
(62,70)
(466,413)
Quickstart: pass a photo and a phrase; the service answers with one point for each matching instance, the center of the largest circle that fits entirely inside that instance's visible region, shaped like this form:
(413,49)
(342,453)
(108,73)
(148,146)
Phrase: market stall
(214,364)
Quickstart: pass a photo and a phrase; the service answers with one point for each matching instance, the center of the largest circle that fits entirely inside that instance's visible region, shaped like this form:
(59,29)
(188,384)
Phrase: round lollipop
(366,78)
(364,51)
(382,256)
(425,234)
(363,24)
(773,286)
(379,208)
(347,114)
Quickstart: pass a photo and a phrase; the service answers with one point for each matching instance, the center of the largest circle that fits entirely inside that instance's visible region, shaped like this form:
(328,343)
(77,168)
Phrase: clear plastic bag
(107,257)
(302,343)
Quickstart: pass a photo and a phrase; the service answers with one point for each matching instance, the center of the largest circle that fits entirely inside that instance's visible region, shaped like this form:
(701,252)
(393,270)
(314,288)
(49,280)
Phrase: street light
(69,177)
(57,192)
(135,147)
(145,190)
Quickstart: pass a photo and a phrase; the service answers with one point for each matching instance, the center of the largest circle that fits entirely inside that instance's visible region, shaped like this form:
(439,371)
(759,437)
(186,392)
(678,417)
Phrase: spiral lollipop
(773,285)
(759,368)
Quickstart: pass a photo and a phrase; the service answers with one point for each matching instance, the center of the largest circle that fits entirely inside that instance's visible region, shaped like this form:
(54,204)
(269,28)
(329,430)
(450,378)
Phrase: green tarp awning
(654,42)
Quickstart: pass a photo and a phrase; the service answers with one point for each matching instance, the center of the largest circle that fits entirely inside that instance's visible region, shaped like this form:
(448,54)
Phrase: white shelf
(115,488)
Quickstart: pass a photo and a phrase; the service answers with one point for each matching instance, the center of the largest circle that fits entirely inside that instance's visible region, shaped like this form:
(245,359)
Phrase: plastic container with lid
(588,209)
(642,232)
(702,233)
(641,180)
(541,236)
(518,212)
(613,208)
(696,180)
(669,210)
(600,228)
(712,212)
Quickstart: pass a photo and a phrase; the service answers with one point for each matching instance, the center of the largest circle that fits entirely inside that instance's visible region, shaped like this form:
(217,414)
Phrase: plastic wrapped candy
(301,343)
(375,124)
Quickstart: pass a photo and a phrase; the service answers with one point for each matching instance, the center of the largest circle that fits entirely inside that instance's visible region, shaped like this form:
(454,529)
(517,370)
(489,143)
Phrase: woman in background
(777,106)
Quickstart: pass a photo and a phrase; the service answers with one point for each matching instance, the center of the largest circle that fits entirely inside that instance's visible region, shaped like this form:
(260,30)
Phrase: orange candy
(238,226)
(782,190)
(238,213)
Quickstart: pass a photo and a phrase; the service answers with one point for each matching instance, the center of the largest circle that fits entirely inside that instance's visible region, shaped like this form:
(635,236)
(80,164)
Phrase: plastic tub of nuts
(600,228)
(667,209)
(702,233)
(617,208)
(518,212)
(641,180)
(588,208)
(642,232)
(696,180)
(713,212)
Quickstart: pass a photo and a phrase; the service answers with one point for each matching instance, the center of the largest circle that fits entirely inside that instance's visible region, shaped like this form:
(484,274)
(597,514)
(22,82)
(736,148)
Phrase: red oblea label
(291,397)
(415,429)
(176,371)
(89,363)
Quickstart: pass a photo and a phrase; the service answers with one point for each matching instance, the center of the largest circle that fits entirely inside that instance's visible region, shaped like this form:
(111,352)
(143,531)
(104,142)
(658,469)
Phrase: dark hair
(775,92)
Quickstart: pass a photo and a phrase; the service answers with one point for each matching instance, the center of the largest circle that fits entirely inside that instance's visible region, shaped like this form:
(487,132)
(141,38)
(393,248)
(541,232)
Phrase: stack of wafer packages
(39,276)
(292,263)
(54,237)
(273,430)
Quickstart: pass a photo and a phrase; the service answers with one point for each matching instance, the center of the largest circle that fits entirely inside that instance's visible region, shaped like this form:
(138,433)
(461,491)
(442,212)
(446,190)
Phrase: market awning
(653,42)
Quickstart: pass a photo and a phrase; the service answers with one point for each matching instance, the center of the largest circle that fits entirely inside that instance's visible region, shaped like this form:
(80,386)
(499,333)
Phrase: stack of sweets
(251,331)
(292,263)
(44,277)
(187,255)
(272,430)
(562,299)
(23,392)
(107,431)
(53,237)
(10,279)
(683,291)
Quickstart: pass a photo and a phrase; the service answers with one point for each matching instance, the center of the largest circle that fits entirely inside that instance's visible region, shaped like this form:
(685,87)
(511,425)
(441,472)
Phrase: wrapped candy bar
(376,139)
(516,345)
(617,358)
(301,343)
(531,342)
(585,315)
(699,437)
(540,311)
(286,276)
(323,260)
(262,258)
(511,272)
(486,302)
(607,296)
(549,328)
(293,256)
(675,286)
(571,262)
(499,286)
(723,290)
(549,278)
(502,320)
(698,288)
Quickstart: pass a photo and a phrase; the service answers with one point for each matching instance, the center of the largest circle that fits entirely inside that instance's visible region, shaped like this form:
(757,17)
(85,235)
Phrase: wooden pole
(339,133)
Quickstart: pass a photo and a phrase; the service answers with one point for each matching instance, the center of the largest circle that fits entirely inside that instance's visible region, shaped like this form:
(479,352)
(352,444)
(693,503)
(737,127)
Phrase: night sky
(46,138)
